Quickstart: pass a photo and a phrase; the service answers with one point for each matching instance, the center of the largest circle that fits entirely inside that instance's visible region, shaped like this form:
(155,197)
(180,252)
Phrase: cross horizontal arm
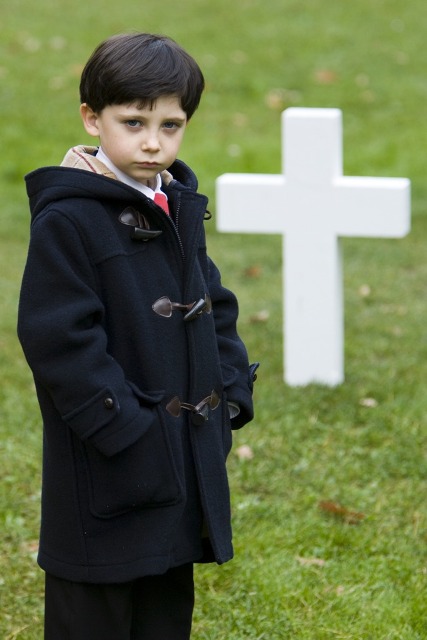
(244,203)
(372,207)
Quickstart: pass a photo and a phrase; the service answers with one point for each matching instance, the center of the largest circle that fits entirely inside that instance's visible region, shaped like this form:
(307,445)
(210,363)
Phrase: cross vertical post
(312,205)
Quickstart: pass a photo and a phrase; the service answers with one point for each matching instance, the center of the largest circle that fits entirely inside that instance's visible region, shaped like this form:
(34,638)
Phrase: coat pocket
(143,475)
(229,374)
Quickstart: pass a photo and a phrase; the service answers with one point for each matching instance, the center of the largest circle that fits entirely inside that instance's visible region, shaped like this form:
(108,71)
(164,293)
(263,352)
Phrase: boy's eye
(133,123)
(170,125)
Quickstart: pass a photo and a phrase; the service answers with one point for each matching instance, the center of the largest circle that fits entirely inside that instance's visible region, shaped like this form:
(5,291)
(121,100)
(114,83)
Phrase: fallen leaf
(260,316)
(278,99)
(244,452)
(364,290)
(30,43)
(254,271)
(311,562)
(31,545)
(368,402)
(335,509)
(325,76)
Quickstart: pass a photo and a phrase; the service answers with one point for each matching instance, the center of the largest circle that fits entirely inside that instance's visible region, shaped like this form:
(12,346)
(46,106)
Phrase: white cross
(312,206)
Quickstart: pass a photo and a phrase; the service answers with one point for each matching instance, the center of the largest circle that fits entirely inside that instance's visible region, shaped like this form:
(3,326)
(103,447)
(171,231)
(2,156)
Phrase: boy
(139,370)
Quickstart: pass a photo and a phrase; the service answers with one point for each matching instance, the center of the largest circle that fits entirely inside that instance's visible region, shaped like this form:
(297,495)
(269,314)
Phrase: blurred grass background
(301,571)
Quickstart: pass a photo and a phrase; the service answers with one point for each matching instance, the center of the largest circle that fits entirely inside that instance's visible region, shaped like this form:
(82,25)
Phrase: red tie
(162,201)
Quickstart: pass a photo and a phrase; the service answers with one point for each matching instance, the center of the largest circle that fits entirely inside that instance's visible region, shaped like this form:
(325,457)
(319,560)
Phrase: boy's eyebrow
(136,115)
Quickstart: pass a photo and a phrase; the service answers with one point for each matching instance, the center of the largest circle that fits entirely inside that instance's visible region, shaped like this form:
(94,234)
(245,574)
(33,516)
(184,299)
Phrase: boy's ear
(90,119)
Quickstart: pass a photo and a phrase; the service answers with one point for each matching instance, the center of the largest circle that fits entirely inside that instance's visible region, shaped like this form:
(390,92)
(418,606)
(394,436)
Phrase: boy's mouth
(149,164)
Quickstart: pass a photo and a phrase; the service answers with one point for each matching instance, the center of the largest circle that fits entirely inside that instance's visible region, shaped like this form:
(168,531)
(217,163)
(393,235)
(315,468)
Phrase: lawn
(329,484)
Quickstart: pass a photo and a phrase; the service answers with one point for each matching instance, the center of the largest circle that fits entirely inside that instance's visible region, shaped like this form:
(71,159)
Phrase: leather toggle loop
(141,231)
(144,234)
(199,412)
(165,307)
(197,308)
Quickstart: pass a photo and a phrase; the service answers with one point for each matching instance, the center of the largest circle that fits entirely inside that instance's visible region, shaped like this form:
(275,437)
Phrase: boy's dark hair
(140,67)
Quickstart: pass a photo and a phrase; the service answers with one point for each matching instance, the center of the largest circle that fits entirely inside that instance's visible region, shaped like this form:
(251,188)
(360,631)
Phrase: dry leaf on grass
(244,452)
(325,76)
(254,271)
(260,316)
(311,562)
(335,509)
(371,403)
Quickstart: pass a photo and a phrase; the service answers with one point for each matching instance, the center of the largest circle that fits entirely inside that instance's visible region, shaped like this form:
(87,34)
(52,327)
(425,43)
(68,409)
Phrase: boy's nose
(151,143)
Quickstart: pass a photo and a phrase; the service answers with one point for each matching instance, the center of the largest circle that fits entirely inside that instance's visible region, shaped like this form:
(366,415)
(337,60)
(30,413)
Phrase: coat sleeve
(61,329)
(237,377)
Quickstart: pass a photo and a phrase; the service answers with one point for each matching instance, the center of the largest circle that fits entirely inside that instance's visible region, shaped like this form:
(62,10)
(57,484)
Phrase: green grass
(300,572)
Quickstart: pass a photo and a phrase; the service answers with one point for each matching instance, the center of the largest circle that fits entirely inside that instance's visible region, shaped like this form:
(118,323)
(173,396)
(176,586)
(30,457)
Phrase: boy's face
(139,142)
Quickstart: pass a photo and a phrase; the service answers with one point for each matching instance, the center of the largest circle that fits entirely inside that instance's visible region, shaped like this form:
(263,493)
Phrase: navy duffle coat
(135,441)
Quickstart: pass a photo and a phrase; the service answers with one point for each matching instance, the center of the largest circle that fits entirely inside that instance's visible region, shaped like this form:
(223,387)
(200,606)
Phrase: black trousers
(149,608)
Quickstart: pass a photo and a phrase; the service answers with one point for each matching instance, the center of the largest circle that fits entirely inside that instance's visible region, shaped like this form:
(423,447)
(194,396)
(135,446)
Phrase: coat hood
(82,175)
